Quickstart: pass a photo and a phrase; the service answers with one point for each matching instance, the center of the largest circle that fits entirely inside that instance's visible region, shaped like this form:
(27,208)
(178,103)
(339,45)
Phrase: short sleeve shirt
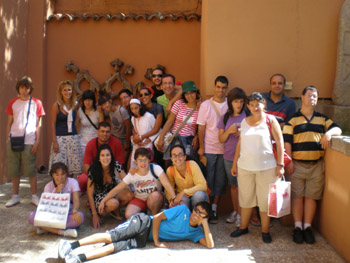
(117,118)
(181,112)
(177,226)
(231,142)
(207,116)
(18,109)
(144,185)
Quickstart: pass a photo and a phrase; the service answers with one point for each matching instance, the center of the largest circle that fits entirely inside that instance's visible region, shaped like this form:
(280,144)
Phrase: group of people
(128,148)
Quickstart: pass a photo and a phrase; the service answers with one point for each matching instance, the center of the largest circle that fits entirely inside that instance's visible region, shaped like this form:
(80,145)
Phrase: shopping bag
(52,210)
(279,198)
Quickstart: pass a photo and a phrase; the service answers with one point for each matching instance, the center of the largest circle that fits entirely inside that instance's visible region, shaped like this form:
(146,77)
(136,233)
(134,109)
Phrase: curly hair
(96,169)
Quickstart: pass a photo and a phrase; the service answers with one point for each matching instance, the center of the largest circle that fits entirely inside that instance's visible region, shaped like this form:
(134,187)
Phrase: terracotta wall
(333,214)
(250,40)
(93,44)
(13,59)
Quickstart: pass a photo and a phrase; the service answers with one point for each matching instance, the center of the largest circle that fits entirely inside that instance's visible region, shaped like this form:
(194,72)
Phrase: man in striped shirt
(307,134)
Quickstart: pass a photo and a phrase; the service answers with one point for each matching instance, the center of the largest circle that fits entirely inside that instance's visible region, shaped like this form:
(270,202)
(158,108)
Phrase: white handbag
(279,199)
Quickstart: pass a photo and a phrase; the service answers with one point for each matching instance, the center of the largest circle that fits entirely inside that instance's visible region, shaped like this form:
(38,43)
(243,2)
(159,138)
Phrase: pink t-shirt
(182,111)
(18,109)
(207,116)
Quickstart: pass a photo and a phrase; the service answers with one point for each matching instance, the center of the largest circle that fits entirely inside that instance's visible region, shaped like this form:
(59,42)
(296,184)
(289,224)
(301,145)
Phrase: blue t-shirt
(177,226)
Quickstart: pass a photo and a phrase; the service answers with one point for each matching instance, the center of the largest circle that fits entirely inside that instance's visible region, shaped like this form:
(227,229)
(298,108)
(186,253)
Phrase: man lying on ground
(173,224)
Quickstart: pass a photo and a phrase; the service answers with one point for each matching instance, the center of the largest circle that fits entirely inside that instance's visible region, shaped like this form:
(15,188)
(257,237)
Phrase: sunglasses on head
(144,94)
(157,75)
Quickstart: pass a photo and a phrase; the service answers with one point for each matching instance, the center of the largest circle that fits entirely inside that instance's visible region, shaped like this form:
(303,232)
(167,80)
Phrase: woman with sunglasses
(145,96)
(186,178)
(255,164)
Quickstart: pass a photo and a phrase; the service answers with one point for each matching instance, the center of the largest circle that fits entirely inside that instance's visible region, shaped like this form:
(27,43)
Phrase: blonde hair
(61,85)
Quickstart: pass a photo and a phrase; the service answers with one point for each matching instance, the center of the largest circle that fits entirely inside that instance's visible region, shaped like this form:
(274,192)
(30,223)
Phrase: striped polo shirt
(305,135)
(182,111)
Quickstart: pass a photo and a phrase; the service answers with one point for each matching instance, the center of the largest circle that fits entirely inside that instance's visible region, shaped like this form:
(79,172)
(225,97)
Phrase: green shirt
(163,101)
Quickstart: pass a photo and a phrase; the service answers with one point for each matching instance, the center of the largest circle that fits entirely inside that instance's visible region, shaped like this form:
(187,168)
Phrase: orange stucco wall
(334,210)
(143,44)
(250,40)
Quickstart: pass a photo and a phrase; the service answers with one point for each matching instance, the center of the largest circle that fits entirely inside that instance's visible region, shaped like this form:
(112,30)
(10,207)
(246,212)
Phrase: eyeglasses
(202,214)
(144,94)
(157,75)
(180,155)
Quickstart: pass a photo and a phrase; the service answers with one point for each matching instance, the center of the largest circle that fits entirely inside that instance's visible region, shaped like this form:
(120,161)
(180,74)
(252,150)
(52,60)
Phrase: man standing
(277,103)
(157,75)
(170,94)
(24,119)
(209,114)
(173,224)
(307,134)
(104,137)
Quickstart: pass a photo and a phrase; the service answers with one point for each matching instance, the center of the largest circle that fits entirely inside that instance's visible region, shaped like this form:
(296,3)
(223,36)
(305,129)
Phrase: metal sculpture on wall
(119,75)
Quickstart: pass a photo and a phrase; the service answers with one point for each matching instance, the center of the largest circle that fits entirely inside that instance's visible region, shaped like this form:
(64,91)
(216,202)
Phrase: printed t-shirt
(144,185)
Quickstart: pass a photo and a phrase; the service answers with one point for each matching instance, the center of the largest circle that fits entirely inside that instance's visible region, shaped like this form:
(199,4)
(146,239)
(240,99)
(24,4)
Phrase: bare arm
(201,135)
(157,219)
(90,194)
(223,135)
(37,136)
(127,124)
(101,117)
(277,135)
(54,112)
(207,240)
(173,100)
(77,122)
(235,159)
(290,166)
(9,124)
(115,191)
(76,204)
(327,137)
(166,184)
(156,128)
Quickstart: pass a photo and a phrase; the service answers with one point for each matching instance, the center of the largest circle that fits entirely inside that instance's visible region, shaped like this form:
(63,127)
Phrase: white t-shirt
(144,185)
(256,148)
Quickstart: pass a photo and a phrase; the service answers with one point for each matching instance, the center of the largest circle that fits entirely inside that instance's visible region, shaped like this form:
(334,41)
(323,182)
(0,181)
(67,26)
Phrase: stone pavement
(20,243)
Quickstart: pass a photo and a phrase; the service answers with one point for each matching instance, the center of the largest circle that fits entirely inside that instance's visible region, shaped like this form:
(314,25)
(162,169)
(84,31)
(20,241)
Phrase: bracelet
(280,164)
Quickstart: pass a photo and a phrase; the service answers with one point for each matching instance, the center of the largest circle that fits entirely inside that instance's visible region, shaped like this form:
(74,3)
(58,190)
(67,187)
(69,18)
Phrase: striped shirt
(305,135)
(181,112)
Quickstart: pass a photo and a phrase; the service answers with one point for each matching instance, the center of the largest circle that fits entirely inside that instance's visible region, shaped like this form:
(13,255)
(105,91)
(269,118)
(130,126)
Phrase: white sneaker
(35,200)
(70,232)
(238,220)
(232,217)
(13,201)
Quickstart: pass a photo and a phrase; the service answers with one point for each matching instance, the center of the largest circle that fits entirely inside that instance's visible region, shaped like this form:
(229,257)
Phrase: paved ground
(20,243)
